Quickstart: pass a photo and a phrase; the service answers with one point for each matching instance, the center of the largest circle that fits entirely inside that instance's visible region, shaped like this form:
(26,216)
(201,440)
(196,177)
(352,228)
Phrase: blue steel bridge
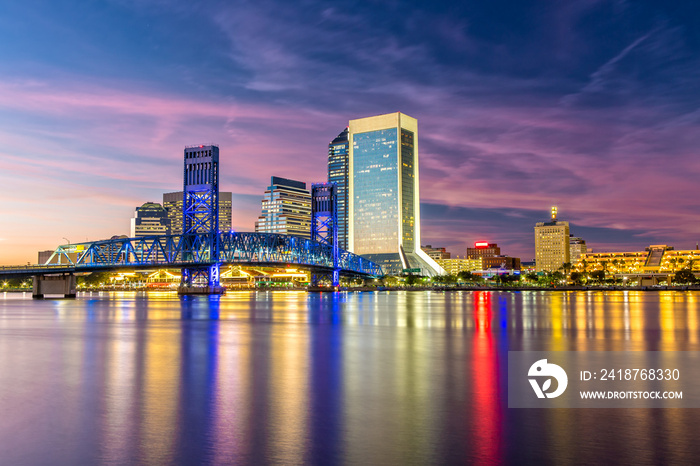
(200,251)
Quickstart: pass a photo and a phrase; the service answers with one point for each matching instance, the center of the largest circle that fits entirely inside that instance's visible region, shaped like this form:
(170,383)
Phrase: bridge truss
(324,222)
(200,214)
(199,250)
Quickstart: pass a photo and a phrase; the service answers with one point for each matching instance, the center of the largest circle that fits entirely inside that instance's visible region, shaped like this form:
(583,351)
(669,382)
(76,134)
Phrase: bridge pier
(55,285)
(316,278)
(201,280)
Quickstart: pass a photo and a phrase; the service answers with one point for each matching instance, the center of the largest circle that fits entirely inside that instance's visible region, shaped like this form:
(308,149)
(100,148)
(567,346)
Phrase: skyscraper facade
(150,219)
(225,211)
(338,173)
(172,202)
(286,209)
(383,195)
(551,244)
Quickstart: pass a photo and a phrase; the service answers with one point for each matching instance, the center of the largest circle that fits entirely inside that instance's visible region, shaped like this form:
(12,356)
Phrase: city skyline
(98,102)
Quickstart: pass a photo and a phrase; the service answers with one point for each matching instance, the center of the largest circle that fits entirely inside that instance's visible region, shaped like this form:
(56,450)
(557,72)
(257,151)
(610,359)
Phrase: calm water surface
(346,378)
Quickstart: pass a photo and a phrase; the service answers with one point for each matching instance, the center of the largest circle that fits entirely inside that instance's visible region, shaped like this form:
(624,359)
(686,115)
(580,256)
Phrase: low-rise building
(528,266)
(483,249)
(502,262)
(454,266)
(577,246)
(435,253)
(650,266)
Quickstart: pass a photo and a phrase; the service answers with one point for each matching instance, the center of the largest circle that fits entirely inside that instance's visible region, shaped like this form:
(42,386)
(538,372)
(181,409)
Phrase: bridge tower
(200,219)
(324,221)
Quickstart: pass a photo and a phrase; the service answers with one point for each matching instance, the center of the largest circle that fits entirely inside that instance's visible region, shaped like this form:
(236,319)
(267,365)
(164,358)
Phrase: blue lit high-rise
(338,172)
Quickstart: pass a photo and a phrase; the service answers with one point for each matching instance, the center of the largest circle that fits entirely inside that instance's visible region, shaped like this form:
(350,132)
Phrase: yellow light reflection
(289,367)
(160,392)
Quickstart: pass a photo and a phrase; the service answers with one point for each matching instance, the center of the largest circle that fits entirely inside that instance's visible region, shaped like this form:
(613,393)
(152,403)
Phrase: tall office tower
(577,247)
(338,169)
(384,201)
(551,244)
(150,219)
(173,204)
(286,209)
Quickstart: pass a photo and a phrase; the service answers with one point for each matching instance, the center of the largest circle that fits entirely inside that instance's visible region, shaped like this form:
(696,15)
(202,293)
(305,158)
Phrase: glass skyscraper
(383,195)
(338,172)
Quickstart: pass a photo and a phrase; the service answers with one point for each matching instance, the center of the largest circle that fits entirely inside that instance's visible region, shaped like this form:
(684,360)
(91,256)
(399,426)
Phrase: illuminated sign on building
(481,244)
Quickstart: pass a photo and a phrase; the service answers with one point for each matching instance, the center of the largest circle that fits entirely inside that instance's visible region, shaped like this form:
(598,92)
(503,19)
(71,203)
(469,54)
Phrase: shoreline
(415,288)
(533,288)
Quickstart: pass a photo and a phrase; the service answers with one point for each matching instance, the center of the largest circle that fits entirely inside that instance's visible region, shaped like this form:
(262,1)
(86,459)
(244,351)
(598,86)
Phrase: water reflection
(484,372)
(289,377)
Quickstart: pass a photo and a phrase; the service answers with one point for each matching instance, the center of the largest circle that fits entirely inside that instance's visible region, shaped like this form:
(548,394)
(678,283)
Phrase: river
(335,378)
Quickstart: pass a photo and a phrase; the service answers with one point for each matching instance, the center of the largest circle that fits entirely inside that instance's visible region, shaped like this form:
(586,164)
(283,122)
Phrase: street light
(67,240)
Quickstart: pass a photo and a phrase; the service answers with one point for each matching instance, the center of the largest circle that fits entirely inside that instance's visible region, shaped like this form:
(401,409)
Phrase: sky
(593,106)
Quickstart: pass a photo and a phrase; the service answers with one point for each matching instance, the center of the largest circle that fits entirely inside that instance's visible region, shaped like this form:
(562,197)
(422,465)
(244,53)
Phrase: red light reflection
(487,410)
